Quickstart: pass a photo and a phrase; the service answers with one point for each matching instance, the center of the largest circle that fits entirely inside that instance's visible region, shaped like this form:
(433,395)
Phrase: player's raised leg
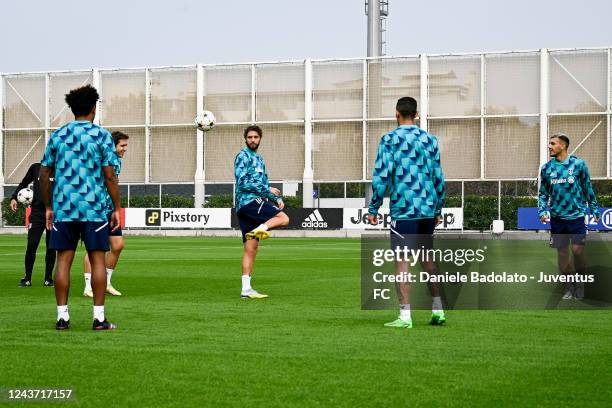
(262,231)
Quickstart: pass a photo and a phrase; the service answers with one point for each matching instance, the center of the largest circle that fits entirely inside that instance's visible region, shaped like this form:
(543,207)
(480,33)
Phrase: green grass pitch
(185,338)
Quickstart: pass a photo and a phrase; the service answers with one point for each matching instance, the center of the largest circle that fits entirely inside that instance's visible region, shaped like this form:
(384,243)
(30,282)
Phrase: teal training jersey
(78,151)
(408,165)
(251,178)
(566,188)
(110,207)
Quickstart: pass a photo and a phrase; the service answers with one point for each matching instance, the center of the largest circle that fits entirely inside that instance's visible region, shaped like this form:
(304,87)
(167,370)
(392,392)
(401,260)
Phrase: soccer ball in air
(205,121)
(25,196)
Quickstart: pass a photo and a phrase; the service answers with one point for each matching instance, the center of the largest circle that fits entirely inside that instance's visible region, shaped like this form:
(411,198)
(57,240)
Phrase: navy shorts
(254,214)
(66,235)
(413,234)
(117,232)
(563,231)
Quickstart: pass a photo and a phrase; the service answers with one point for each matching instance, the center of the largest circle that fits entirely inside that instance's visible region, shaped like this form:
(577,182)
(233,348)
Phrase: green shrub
(149,201)
(12,218)
(176,201)
(293,202)
(219,201)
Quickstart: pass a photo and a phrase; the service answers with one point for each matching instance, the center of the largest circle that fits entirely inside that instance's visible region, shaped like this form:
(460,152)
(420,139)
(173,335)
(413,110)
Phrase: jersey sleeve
(249,182)
(544,194)
(589,193)
(438,178)
(381,176)
(50,155)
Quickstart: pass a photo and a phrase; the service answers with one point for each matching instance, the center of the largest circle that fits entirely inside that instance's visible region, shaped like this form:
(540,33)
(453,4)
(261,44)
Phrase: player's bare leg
(403,295)
(62,287)
(437,310)
(279,220)
(563,260)
(580,267)
(402,288)
(98,276)
(112,257)
(248,260)
(98,279)
(88,291)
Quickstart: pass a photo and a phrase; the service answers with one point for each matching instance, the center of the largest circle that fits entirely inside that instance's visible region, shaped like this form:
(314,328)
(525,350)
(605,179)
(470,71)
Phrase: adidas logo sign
(314,220)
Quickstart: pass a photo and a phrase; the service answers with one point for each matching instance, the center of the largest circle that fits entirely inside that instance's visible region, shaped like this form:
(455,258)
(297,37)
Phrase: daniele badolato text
(460,258)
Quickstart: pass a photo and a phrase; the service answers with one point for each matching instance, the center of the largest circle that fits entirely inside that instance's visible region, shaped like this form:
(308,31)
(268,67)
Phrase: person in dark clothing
(36,226)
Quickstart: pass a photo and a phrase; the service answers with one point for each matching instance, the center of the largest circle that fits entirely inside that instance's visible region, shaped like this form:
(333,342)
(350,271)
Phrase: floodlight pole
(377,11)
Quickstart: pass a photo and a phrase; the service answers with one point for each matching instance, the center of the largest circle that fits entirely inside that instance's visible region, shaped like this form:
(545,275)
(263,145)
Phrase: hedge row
(478,211)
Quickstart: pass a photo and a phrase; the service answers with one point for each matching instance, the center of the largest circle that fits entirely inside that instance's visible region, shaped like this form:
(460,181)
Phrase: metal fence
(322,119)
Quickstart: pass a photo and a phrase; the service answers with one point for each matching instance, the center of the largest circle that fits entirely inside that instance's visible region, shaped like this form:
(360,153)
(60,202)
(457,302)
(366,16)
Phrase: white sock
(87,282)
(246,283)
(109,273)
(99,313)
(405,312)
(263,227)
(436,305)
(62,313)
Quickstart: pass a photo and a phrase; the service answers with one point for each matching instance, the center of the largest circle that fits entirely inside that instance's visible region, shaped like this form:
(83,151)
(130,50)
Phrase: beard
(252,146)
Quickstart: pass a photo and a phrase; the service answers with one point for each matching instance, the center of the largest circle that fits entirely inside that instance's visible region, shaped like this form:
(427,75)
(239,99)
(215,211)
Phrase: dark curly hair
(82,100)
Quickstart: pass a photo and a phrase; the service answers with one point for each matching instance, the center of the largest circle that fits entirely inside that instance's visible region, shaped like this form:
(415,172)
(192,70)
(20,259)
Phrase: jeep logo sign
(357,218)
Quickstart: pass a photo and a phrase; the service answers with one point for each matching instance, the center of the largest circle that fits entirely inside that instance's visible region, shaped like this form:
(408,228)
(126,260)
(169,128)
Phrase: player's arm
(248,182)
(29,177)
(381,178)
(110,161)
(112,186)
(438,180)
(589,193)
(543,196)
(47,166)
(45,192)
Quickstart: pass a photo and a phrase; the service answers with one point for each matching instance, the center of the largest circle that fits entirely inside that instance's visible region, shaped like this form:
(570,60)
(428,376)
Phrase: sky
(41,35)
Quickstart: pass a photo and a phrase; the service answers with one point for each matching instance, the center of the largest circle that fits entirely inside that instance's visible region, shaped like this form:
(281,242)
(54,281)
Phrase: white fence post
(307,181)
(483,128)
(424,97)
(95,80)
(199,174)
(147,162)
(1,146)
(544,100)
